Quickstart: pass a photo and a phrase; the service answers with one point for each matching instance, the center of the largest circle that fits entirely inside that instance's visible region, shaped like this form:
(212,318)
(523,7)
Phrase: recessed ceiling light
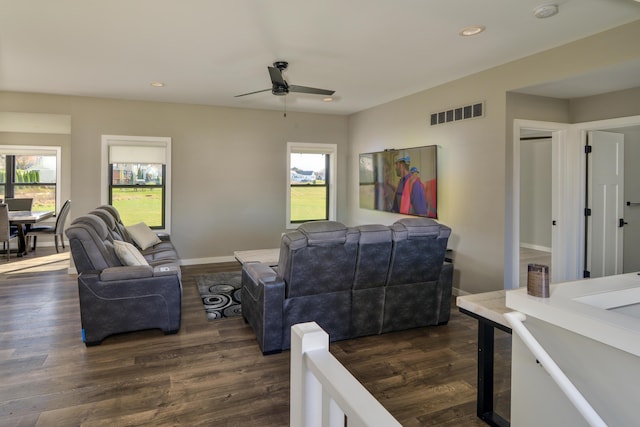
(327,99)
(545,11)
(157,84)
(472,30)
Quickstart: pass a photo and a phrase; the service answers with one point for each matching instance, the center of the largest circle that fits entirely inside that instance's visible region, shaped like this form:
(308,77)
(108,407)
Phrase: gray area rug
(220,293)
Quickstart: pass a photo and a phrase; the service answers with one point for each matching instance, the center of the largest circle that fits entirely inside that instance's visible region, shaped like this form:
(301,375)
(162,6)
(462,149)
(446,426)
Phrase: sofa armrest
(165,270)
(146,284)
(132,304)
(129,272)
(165,237)
(126,273)
(263,304)
(259,271)
(264,285)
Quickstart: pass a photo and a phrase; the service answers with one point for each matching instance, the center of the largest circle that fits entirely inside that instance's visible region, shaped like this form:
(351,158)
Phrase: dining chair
(56,230)
(6,235)
(21,204)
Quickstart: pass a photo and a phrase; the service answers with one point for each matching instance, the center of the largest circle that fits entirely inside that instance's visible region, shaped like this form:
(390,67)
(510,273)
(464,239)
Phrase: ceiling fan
(280,86)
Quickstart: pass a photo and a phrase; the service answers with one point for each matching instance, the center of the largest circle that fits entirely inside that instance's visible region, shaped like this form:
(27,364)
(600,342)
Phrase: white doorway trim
(512,251)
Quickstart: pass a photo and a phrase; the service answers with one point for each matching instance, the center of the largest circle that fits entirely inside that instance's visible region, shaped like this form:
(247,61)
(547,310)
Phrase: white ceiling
(206,51)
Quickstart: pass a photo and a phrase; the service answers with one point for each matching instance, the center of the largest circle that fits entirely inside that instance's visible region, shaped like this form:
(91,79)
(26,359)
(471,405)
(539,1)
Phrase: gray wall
(606,106)
(229,165)
(476,156)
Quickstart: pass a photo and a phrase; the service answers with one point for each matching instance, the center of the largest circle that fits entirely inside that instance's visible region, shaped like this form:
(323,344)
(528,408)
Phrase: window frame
(313,148)
(38,150)
(142,141)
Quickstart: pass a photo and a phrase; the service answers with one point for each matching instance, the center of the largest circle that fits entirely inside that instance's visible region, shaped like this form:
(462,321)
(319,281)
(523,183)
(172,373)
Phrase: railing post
(306,391)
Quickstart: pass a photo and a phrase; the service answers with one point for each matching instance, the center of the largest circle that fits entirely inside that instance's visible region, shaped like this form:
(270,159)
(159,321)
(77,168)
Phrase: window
(30,172)
(137,174)
(311,182)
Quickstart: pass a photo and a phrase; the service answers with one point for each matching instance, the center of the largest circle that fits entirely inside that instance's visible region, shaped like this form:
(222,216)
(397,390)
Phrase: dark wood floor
(211,372)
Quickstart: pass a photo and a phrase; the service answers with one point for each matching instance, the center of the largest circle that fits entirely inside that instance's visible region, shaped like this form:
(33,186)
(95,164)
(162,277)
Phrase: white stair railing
(323,392)
(515,319)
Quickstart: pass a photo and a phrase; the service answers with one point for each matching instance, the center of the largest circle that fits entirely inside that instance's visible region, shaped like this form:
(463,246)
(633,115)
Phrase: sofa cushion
(128,254)
(142,235)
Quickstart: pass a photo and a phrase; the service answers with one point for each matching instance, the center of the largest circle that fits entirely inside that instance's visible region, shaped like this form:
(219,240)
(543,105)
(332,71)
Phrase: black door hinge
(586,273)
(587,149)
(587,212)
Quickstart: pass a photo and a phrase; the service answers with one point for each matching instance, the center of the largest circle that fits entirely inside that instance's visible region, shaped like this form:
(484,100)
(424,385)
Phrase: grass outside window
(139,204)
(308,203)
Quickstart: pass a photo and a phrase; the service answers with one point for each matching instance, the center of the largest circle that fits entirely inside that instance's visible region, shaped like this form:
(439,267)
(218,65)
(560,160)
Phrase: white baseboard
(210,260)
(535,247)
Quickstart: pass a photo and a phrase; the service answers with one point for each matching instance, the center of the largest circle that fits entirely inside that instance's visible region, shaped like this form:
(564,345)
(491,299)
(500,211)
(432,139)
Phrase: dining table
(23,220)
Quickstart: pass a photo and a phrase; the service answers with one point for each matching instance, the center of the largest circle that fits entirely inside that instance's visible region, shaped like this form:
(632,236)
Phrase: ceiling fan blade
(276,77)
(251,93)
(312,90)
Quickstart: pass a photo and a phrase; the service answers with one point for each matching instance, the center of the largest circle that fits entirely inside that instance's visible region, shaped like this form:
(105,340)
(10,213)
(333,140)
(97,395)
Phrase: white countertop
(581,307)
(489,305)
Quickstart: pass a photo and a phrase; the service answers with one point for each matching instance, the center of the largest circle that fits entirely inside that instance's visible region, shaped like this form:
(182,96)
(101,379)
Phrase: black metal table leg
(484,408)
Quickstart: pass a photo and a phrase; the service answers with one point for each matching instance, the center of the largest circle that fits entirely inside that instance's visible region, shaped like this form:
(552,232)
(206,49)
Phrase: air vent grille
(471,111)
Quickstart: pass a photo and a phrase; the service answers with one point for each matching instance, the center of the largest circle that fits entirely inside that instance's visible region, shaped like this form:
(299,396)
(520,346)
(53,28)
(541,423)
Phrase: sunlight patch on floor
(35,264)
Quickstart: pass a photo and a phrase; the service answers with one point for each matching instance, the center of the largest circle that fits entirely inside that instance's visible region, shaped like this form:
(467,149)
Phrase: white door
(605,188)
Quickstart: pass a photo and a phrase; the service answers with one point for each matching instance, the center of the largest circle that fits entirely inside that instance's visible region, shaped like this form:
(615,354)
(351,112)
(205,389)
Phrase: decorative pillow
(142,235)
(128,254)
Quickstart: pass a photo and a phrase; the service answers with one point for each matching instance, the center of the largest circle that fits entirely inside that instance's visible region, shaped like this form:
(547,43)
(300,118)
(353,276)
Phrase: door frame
(559,139)
(569,163)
